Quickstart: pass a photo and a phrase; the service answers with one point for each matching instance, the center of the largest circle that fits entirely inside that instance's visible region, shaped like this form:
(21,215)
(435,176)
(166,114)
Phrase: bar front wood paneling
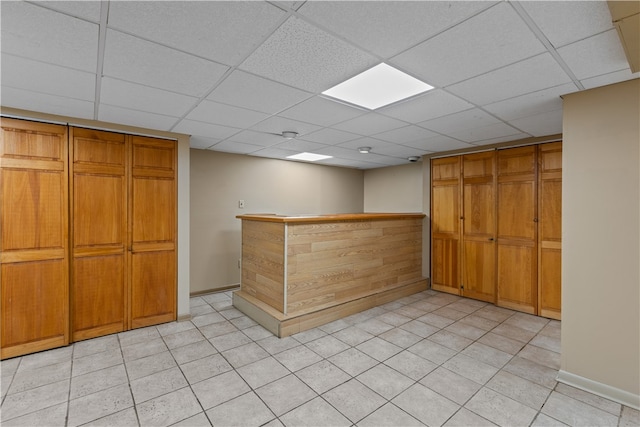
(299,272)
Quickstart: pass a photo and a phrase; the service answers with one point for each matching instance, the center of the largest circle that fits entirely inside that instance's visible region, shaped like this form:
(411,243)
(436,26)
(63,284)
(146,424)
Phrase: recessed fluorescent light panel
(309,157)
(378,86)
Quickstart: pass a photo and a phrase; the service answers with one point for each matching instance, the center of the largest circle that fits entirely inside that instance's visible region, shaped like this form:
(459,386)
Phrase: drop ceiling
(236,74)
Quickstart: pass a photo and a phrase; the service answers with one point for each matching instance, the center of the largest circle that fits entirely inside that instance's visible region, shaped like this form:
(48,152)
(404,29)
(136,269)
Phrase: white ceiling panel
(89,10)
(379,147)
(306,57)
(532,103)
(201,142)
(351,153)
(299,145)
(274,153)
(547,123)
(35,76)
(223,31)
(330,136)
(384,29)
(405,134)
(261,139)
(139,61)
(482,133)
(370,124)
(433,104)
(144,98)
(456,122)
(527,76)
(610,78)
(277,125)
(591,57)
(212,112)
(192,127)
(44,103)
(564,22)
(492,39)
(34,32)
(228,146)
(440,143)
(322,111)
(506,138)
(256,93)
(113,114)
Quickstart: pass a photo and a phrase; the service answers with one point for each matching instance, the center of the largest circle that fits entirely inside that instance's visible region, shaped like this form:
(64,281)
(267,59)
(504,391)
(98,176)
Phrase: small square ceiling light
(309,157)
(378,86)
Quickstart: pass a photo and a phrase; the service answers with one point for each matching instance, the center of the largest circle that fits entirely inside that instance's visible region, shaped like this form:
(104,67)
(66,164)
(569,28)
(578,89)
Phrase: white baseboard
(603,390)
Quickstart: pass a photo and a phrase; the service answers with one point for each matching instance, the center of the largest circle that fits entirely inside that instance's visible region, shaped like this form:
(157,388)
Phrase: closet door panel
(479,221)
(550,236)
(99,296)
(99,233)
(445,224)
(517,229)
(34,275)
(152,222)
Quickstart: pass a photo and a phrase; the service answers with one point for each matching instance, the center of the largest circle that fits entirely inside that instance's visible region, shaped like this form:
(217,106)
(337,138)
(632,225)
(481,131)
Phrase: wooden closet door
(517,229)
(550,229)
(445,224)
(99,232)
(478,229)
(152,225)
(34,270)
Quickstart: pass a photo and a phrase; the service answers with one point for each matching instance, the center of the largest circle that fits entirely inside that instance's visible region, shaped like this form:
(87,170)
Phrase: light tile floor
(427,359)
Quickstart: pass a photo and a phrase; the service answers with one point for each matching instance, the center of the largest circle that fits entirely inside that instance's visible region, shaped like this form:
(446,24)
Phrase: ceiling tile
(40,77)
(474,47)
(212,112)
(534,74)
(235,147)
(351,153)
(208,130)
(89,10)
(143,98)
(547,123)
(223,31)
(110,113)
(262,139)
(330,136)
(370,124)
(349,163)
(440,143)
(139,61)
(435,103)
(306,57)
(383,148)
(44,103)
(405,134)
(507,138)
(597,55)
(277,125)
(606,79)
(384,28)
(299,145)
(41,34)
(531,103)
(322,111)
(274,153)
(202,142)
(464,120)
(255,93)
(564,22)
(481,133)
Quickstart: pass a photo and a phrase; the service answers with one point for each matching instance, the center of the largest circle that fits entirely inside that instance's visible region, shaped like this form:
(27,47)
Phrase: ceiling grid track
(102,39)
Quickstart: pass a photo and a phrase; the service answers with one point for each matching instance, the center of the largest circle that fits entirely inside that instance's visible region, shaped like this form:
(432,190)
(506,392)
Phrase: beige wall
(601,241)
(220,180)
(401,189)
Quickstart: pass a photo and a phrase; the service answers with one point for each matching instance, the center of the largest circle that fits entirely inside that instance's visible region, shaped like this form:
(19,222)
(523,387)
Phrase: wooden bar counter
(299,272)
